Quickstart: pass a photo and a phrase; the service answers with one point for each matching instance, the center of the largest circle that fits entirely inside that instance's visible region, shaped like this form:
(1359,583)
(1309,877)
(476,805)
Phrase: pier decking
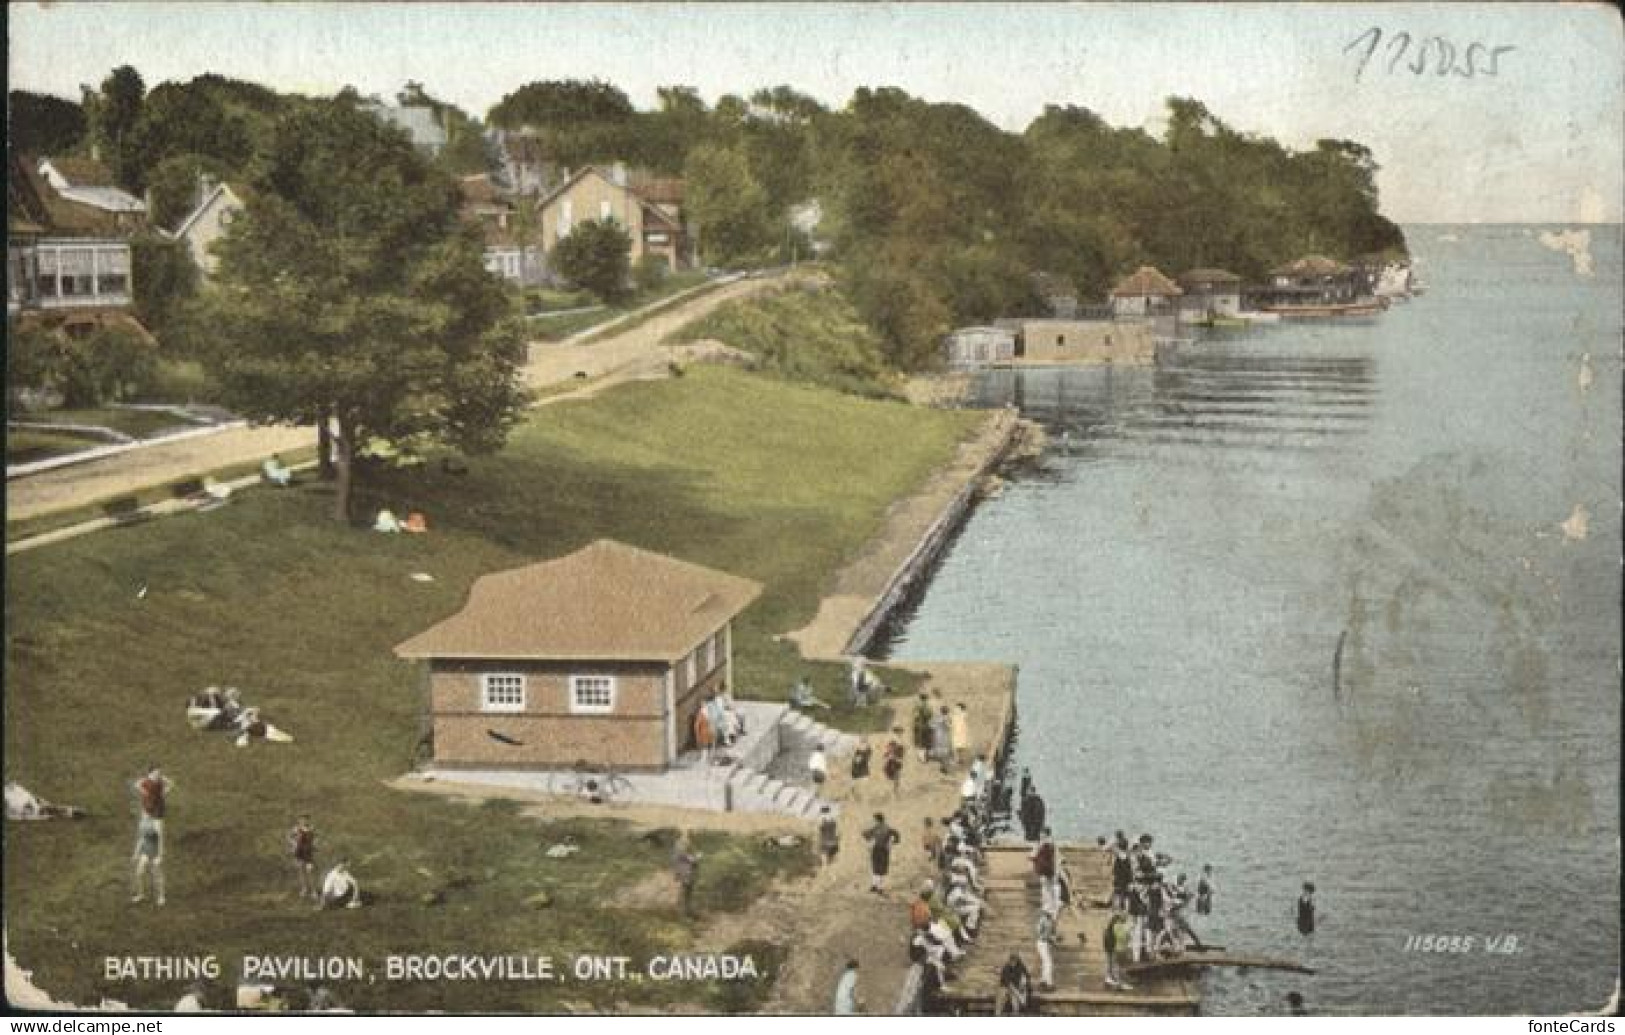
(1080,967)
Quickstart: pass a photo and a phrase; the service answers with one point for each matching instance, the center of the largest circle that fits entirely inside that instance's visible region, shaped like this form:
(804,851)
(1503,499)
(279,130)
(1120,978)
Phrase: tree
(595,257)
(113,113)
(165,279)
(728,204)
(348,291)
(40,124)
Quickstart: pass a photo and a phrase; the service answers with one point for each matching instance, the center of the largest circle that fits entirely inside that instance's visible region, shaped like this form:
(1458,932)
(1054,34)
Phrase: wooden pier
(1080,967)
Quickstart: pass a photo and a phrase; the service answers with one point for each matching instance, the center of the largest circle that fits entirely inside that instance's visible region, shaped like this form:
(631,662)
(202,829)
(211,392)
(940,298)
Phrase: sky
(1539,140)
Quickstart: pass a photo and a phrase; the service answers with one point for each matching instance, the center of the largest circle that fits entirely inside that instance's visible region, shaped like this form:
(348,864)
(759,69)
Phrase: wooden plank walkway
(1080,966)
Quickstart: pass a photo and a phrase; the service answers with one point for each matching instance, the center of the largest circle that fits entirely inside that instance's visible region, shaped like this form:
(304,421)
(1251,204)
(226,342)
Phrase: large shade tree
(350,296)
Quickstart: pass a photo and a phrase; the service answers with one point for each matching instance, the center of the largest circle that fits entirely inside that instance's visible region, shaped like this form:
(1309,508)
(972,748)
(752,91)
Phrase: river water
(1175,574)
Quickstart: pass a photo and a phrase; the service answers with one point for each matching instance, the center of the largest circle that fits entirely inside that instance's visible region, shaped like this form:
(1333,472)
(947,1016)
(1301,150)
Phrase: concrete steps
(753,791)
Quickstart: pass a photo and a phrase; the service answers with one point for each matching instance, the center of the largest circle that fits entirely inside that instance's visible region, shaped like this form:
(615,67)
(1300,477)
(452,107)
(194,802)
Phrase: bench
(125,510)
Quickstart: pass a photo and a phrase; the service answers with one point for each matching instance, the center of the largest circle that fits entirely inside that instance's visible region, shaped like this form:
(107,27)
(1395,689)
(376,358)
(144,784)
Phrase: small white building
(978,346)
(1210,292)
(1145,292)
(217,207)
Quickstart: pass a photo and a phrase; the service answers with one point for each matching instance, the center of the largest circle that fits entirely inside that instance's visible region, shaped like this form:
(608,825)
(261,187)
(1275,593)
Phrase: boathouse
(602,656)
(1145,292)
(1209,293)
(1314,280)
(978,346)
(1046,342)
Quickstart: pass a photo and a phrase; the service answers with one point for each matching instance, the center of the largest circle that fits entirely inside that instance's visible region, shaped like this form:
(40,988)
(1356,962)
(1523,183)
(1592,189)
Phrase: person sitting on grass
(415,523)
(274,473)
(387,522)
(801,695)
(339,889)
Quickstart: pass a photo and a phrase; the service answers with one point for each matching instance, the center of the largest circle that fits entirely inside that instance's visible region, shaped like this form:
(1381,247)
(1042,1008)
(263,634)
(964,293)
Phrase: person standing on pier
(1136,921)
(152,794)
(1043,859)
(893,764)
(847,999)
(1306,909)
(1032,815)
(829,838)
(1114,942)
(1122,872)
(1204,892)
(942,749)
(704,735)
(922,727)
(860,761)
(959,732)
(1045,936)
(932,843)
(881,838)
(1015,987)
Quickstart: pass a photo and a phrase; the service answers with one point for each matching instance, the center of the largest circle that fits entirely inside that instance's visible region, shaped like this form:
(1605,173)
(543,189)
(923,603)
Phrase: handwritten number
(1447,56)
(1404,40)
(1376,36)
(1467,62)
(1476,59)
(1420,62)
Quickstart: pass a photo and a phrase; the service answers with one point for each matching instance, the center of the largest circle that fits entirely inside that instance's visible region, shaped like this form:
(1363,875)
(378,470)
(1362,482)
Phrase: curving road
(635,352)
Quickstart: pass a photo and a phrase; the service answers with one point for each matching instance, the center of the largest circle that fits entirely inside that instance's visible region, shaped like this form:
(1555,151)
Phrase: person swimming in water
(1306,909)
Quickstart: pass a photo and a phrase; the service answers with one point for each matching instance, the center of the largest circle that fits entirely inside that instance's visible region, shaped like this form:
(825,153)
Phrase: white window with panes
(502,692)
(592,694)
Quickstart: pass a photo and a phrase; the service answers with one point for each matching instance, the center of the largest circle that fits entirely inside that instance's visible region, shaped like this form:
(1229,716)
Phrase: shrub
(649,272)
(594,257)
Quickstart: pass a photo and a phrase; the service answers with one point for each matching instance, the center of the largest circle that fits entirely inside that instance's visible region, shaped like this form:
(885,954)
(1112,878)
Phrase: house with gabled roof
(1145,292)
(650,210)
(1210,292)
(509,251)
(1314,279)
(602,656)
(218,204)
(68,260)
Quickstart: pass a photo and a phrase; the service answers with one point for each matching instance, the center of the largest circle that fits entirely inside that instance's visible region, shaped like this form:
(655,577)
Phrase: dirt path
(833,916)
(860,584)
(630,354)
(79,484)
(635,352)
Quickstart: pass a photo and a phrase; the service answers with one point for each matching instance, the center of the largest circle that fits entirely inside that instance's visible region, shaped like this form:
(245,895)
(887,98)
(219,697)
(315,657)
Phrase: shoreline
(866,592)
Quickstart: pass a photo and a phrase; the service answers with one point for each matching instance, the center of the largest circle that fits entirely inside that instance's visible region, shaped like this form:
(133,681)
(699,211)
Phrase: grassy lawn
(558,328)
(802,332)
(751,475)
(26,445)
(134,423)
